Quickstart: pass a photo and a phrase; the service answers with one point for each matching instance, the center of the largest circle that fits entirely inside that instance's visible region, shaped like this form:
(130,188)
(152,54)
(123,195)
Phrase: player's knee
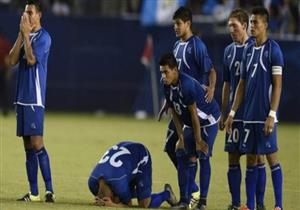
(272,159)
(234,158)
(193,159)
(251,160)
(260,159)
(37,142)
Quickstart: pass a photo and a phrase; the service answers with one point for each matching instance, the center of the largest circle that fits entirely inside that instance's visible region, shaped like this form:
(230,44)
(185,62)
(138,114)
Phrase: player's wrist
(231,113)
(272,114)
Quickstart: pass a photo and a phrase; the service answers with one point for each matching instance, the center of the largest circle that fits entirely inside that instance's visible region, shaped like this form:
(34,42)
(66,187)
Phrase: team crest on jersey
(229,56)
(33,126)
(266,53)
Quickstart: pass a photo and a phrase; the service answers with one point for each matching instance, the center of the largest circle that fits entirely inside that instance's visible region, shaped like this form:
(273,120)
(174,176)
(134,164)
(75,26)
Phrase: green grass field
(75,143)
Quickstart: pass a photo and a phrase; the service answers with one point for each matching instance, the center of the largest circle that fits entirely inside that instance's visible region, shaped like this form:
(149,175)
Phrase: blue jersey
(31,79)
(258,66)
(193,59)
(187,92)
(231,72)
(121,165)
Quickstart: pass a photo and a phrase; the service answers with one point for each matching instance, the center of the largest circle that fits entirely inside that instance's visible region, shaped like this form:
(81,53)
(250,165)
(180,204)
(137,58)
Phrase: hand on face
(25,26)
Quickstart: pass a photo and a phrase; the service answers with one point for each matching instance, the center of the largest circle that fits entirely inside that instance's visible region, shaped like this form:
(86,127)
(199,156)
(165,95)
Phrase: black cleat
(49,197)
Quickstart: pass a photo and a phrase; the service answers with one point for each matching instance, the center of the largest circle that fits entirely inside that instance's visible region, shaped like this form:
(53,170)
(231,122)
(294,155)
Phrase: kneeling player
(125,172)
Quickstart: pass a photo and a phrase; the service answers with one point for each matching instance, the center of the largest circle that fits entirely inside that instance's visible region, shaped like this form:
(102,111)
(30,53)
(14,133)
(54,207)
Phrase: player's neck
(243,39)
(175,81)
(186,36)
(260,40)
(36,28)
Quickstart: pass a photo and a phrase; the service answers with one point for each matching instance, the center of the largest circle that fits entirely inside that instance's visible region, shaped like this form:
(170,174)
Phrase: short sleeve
(41,47)
(201,55)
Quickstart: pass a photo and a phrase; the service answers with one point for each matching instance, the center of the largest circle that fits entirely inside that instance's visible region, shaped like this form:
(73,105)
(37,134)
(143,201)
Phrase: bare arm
(212,77)
(14,54)
(275,99)
(225,100)
(200,144)
(195,122)
(239,96)
(178,125)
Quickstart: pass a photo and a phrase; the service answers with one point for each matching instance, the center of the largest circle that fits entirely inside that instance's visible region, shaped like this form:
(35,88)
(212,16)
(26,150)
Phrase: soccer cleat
(260,207)
(30,198)
(49,197)
(194,200)
(232,207)
(180,205)
(200,207)
(277,208)
(172,199)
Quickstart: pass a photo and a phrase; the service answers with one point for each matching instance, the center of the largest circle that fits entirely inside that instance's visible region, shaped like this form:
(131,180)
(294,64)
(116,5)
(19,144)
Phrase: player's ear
(189,23)
(245,26)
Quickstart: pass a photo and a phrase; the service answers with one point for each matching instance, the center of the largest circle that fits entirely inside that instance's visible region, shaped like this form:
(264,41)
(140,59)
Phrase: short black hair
(36,3)
(241,15)
(183,13)
(168,59)
(262,11)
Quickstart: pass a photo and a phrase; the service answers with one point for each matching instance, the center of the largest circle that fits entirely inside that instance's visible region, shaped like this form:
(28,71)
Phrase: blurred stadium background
(96,70)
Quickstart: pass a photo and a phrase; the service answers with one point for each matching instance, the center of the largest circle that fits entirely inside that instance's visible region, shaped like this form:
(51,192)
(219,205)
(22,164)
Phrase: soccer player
(125,172)
(186,98)
(238,24)
(31,50)
(260,88)
(193,59)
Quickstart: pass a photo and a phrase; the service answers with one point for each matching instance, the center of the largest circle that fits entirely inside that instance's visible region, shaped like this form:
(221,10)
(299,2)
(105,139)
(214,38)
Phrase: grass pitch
(75,143)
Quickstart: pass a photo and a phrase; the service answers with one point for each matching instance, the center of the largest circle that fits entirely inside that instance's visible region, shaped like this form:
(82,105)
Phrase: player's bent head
(241,15)
(261,11)
(168,60)
(93,185)
(36,3)
(184,14)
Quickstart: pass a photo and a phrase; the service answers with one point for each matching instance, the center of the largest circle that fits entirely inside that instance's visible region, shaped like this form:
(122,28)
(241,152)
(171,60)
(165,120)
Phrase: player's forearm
(212,77)
(14,54)
(178,124)
(31,60)
(225,97)
(239,95)
(195,122)
(276,92)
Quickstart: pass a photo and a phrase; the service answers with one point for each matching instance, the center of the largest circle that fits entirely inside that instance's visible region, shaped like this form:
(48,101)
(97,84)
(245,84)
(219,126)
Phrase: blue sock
(32,170)
(192,176)
(251,180)
(205,172)
(45,168)
(158,198)
(234,176)
(183,177)
(261,184)
(277,184)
